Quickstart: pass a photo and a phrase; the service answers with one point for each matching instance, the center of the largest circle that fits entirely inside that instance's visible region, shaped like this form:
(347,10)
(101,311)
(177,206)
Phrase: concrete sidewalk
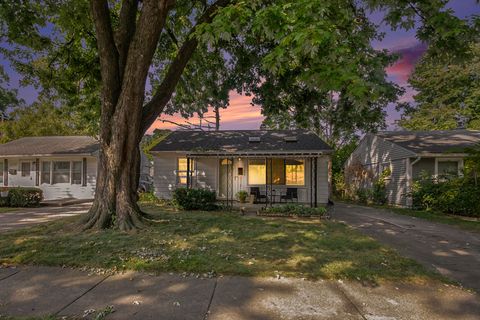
(35,291)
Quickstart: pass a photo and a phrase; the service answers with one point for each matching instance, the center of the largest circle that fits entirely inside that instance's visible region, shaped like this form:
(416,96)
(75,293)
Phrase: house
(411,154)
(275,165)
(62,166)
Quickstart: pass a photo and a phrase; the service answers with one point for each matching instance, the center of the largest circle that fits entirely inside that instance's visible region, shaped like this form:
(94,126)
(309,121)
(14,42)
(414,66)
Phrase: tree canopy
(448,94)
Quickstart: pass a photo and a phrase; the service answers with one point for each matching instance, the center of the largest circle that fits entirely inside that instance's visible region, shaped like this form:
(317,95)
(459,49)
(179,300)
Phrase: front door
(225,189)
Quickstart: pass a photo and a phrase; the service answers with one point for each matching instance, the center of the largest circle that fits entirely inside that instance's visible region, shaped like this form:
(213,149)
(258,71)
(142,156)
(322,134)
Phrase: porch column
(188,173)
(316,180)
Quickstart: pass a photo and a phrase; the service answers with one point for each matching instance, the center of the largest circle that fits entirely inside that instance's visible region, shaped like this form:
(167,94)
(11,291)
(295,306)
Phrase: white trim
(460,163)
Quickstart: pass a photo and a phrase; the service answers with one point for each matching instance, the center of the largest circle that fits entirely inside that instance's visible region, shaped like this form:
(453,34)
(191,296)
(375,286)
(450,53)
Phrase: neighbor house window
(447,168)
(295,172)
(25,167)
(256,171)
(182,170)
(45,172)
(61,172)
(1,173)
(76,172)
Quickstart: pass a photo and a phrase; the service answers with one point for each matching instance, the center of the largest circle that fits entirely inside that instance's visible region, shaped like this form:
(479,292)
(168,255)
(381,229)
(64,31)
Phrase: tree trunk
(217,118)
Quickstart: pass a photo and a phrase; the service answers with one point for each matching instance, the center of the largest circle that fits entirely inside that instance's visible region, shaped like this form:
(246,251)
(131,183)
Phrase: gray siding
(372,150)
(165,174)
(397,184)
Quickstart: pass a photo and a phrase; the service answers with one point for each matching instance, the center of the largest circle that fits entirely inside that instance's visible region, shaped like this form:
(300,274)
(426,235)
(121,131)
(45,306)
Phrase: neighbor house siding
(53,191)
(373,150)
(396,185)
(165,173)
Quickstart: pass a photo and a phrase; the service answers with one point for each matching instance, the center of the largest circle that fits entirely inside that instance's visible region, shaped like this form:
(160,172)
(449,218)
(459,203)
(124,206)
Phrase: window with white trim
(54,172)
(182,170)
(25,168)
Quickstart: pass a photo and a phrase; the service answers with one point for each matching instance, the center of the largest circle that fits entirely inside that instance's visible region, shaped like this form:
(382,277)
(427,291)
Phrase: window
(1,172)
(295,172)
(256,172)
(182,170)
(77,172)
(282,172)
(276,168)
(447,168)
(61,172)
(25,167)
(46,172)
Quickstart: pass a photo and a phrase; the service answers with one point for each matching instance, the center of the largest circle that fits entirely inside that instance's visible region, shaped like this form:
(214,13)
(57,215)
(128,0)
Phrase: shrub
(455,195)
(148,197)
(292,209)
(242,195)
(24,197)
(363,195)
(194,199)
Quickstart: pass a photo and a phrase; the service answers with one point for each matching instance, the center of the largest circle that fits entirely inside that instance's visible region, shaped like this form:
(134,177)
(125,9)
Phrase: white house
(275,165)
(62,166)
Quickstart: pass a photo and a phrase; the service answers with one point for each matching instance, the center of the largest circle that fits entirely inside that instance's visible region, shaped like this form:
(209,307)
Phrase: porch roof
(244,143)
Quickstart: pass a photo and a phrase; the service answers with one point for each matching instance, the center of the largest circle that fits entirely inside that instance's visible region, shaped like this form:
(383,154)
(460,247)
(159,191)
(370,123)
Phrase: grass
(4,209)
(215,243)
(440,217)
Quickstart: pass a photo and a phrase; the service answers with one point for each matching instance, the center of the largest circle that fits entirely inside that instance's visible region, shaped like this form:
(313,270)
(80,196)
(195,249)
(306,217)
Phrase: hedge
(194,199)
(21,197)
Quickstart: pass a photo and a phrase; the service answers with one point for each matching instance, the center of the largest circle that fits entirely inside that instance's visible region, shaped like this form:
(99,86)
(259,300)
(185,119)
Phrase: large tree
(448,93)
(125,41)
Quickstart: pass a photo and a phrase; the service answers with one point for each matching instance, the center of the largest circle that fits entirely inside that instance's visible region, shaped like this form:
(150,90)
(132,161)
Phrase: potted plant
(242,196)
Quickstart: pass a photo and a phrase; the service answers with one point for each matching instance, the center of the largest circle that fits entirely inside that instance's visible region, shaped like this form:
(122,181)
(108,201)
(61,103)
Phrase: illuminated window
(182,170)
(256,171)
(295,172)
(276,168)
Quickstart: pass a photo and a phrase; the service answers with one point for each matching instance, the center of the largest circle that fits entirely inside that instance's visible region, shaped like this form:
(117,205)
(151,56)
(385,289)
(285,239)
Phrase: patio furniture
(291,194)
(255,191)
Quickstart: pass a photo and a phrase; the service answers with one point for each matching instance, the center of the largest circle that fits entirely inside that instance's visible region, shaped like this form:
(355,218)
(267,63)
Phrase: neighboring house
(62,166)
(411,154)
(268,161)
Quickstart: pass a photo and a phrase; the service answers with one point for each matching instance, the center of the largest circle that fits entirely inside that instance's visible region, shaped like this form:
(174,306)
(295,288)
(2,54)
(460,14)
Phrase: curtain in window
(256,171)
(295,172)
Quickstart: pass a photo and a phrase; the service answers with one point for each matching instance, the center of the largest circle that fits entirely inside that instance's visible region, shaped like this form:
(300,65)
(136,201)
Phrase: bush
(148,197)
(456,196)
(292,209)
(22,197)
(194,199)
(363,195)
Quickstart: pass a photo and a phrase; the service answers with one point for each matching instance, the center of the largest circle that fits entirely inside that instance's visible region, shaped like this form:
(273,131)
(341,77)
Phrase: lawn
(441,218)
(4,209)
(215,243)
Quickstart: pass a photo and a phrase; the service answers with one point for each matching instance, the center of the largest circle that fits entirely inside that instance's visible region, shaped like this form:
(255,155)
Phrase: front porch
(268,178)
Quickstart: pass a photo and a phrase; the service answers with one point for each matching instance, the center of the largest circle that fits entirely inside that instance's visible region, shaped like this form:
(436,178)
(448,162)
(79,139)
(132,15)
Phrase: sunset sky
(242,115)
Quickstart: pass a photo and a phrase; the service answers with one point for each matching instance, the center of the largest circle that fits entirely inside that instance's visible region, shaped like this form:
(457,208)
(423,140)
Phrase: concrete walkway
(451,251)
(24,217)
(36,291)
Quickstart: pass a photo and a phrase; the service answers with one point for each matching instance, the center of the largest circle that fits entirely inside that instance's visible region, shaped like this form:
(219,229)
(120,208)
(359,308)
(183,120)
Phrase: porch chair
(255,191)
(292,193)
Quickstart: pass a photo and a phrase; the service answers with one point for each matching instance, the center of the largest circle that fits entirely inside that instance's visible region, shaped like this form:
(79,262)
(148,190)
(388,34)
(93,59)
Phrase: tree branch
(125,31)
(164,92)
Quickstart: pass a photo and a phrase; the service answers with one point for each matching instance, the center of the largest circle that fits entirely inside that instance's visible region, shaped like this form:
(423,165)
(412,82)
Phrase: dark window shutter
(5,173)
(84,172)
(37,173)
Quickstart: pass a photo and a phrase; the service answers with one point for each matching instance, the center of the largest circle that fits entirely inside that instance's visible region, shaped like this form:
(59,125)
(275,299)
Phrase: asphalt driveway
(24,217)
(451,251)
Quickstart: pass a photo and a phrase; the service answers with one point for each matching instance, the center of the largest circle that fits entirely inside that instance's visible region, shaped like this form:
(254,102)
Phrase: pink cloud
(401,70)
(239,115)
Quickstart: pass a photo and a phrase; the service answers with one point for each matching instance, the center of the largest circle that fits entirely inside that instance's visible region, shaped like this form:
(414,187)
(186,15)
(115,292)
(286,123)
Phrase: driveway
(451,251)
(24,217)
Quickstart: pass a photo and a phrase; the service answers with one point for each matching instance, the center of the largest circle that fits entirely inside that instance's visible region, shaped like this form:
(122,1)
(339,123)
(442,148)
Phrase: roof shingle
(447,141)
(238,141)
(50,145)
